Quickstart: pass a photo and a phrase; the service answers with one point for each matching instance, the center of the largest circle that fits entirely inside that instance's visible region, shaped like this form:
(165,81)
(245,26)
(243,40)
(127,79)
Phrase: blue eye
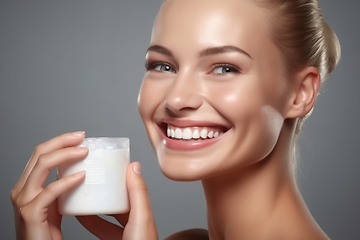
(160,67)
(225,69)
(163,68)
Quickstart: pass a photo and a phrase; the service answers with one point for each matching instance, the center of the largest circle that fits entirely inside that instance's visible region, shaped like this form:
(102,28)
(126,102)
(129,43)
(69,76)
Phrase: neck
(249,203)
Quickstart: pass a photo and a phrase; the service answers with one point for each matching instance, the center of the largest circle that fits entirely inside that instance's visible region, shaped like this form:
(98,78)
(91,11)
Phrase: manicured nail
(82,149)
(79,174)
(79,133)
(137,167)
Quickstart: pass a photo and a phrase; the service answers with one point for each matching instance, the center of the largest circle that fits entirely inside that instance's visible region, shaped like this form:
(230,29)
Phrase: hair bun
(332,48)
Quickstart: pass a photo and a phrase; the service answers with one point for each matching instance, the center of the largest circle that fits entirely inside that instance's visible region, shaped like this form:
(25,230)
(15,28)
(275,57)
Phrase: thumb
(141,222)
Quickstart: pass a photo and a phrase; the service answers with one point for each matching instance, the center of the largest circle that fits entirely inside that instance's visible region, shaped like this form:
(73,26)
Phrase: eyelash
(234,69)
(153,65)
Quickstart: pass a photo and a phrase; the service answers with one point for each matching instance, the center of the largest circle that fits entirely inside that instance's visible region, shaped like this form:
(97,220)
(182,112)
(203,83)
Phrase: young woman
(227,86)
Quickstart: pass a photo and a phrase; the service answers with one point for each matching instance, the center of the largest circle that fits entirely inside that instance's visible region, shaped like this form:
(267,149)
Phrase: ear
(305,91)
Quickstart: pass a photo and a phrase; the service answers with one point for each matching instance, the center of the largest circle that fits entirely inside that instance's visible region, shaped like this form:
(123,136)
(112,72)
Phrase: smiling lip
(187,145)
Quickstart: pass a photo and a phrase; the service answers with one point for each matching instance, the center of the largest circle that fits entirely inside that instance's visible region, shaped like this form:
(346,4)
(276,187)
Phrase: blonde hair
(302,36)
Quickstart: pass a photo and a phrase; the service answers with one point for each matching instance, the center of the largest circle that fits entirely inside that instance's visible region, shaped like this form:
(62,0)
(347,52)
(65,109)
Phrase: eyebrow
(160,49)
(203,53)
(222,49)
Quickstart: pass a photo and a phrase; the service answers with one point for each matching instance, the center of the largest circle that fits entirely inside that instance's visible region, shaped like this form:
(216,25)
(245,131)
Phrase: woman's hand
(139,224)
(35,207)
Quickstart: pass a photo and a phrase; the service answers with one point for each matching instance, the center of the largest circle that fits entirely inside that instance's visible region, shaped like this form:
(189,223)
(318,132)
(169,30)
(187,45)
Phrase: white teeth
(196,134)
(203,133)
(178,133)
(188,134)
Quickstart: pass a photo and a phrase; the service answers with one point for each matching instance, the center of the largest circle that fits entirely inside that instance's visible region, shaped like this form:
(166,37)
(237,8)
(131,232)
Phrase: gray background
(77,65)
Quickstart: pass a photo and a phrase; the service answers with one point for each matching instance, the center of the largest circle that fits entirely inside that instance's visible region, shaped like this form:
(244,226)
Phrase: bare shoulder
(190,234)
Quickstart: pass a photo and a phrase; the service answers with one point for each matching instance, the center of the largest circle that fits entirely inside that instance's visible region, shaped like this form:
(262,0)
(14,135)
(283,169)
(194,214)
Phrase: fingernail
(137,167)
(79,174)
(82,149)
(79,133)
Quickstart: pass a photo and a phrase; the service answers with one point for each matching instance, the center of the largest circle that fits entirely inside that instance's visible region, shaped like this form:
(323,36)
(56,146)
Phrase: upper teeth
(192,133)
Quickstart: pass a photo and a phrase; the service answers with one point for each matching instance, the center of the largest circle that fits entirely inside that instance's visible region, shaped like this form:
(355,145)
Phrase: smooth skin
(35,206)
(212,64)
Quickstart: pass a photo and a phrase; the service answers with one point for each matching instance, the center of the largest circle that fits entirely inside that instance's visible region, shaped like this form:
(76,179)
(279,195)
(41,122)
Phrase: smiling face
(213,98)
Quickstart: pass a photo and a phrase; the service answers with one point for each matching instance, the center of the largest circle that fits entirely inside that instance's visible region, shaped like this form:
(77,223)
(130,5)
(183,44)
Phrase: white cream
(104,188)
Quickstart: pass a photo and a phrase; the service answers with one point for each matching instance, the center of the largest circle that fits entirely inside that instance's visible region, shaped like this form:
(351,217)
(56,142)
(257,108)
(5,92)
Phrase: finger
(37,210)
(100,227)
(141,220)
(62,141)
(121,218)
(42,168)
(35,214)
(54,217)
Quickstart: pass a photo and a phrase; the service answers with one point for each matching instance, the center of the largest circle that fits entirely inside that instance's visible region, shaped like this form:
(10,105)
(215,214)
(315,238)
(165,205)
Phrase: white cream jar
(104,188)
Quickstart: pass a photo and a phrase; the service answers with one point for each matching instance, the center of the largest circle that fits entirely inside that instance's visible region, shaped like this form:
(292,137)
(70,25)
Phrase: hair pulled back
(303,37)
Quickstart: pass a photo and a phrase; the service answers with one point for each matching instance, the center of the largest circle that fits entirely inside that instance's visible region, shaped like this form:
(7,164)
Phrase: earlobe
(305,93)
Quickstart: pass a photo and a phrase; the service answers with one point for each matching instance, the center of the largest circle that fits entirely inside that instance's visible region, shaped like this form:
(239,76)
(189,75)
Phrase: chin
(180,169)
(180,176)
(191,166)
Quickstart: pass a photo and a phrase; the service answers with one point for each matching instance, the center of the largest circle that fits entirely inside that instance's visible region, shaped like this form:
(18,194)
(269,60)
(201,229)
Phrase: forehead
(211,23)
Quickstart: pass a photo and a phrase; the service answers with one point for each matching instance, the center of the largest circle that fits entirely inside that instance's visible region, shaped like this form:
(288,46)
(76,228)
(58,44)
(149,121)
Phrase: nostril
(186,102)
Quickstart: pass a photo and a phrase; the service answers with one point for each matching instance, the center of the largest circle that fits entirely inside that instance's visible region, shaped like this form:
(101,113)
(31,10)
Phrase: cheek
(271,125)
(147,104)
(238,101)
(150,97)
(254,115)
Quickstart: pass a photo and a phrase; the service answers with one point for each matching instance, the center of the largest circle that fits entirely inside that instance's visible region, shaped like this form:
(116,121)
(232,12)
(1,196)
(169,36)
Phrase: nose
(184,94)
